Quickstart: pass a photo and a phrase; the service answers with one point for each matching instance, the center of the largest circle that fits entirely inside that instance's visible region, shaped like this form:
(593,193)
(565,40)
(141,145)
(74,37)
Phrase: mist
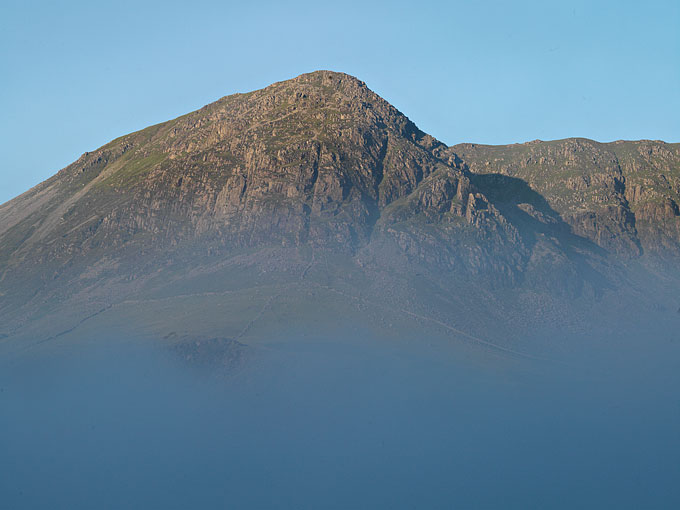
(341,422)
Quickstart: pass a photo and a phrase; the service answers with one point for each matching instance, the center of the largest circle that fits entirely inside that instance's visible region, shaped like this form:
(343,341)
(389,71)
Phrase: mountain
(314,205)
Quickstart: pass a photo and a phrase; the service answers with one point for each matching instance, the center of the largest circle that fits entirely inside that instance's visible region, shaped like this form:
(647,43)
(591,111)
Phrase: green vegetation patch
(132,169)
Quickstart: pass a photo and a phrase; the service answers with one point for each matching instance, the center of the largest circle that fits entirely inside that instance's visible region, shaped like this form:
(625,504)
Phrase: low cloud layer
(339,424)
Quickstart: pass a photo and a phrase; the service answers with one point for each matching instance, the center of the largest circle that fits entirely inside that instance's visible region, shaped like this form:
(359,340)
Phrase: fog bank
(338,424)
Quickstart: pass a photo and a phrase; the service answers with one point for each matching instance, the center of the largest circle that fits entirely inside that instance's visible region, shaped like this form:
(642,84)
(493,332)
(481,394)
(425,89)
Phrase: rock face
(320,168)
(313,159)
(622,196)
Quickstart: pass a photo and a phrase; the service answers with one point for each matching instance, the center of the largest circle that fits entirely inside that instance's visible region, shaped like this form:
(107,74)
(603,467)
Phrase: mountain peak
(321,144)
(322,82)
(320,164)
(328,78)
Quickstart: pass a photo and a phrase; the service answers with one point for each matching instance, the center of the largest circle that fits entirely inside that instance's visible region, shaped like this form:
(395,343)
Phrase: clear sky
(76,74)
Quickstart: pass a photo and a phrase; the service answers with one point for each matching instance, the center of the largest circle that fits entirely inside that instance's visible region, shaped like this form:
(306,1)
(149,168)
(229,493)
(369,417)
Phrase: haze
(341,423)
(318,289)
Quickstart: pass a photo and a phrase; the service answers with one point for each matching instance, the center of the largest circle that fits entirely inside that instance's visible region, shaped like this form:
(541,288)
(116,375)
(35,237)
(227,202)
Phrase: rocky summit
(314,204)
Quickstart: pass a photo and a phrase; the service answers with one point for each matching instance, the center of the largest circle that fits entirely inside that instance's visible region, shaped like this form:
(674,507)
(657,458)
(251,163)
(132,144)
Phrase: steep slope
(314,201)
(320,145)
(312,161)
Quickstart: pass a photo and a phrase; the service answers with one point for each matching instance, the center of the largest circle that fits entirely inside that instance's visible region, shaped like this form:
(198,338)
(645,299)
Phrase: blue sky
(75,75)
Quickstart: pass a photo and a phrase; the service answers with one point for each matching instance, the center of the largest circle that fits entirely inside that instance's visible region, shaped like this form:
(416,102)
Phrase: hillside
(313,204)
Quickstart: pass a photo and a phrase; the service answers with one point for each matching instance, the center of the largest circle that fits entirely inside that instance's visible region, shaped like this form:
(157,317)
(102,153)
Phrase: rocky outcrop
(619,195)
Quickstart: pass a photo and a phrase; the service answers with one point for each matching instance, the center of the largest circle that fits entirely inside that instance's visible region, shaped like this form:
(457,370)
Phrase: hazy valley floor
(340,422)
